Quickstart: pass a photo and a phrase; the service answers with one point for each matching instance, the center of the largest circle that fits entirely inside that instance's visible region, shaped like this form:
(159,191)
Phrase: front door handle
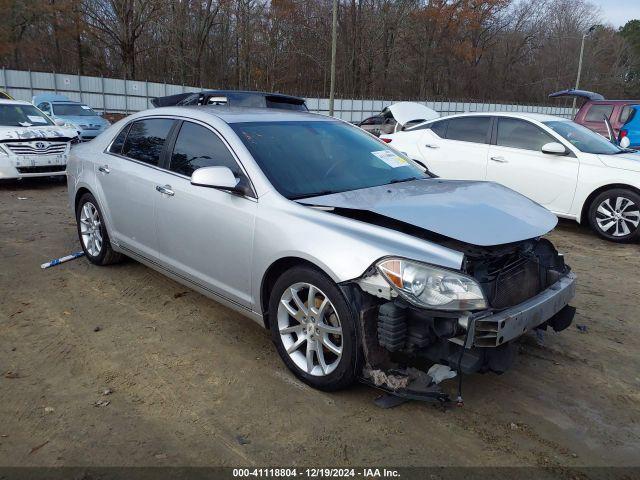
(104,169)
(429,145)
(165,189)
(500,159)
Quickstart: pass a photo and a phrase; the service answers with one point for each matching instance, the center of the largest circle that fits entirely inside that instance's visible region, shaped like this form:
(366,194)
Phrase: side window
(44,106)
(596,112)
(198,147)
(521,134)
(118,142)
(626,113)
(439,128)
(469,129)
(146,139)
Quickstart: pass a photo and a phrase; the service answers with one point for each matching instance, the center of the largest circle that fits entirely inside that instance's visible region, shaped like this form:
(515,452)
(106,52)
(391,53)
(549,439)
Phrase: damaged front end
(467,320)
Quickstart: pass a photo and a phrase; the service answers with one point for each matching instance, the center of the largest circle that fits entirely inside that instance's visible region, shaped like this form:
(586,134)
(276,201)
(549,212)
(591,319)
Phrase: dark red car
(595,107)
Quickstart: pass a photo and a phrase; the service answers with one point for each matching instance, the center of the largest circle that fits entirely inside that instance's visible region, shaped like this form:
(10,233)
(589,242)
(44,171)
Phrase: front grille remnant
(37,148)
(516,283)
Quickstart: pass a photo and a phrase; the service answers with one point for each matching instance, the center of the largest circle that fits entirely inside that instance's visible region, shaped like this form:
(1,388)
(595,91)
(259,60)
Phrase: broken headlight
(427,286)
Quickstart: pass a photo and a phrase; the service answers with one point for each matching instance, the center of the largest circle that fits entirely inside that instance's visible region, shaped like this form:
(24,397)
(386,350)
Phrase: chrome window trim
(254,195)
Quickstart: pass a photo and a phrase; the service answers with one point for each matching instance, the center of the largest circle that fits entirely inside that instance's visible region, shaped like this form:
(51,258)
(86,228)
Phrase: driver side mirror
(59,122)
(554,148)
(221,178)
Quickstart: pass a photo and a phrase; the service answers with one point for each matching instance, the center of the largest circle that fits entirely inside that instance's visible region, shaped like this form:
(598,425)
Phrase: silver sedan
(354,256)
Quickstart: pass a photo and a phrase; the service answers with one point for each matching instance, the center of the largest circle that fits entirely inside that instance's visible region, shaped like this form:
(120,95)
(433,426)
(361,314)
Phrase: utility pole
(584,36)
(334,43)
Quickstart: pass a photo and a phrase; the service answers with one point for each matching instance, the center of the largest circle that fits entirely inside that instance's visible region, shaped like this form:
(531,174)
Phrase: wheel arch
(272,273)
(584,213)
(81,191)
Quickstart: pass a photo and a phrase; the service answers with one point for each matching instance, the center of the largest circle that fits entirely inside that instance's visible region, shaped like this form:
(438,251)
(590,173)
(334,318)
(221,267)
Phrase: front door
(517,162)
(205,234)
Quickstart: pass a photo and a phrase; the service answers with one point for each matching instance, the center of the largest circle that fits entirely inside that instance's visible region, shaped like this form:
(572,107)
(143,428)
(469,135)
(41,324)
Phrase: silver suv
(350,253)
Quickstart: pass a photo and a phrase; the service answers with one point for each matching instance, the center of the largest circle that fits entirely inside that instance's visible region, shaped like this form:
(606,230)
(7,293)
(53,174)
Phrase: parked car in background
(631,128)
(233,98)
(339,245)
(88,123)
(560,164)
(31,145)
(595,107)
(397,116)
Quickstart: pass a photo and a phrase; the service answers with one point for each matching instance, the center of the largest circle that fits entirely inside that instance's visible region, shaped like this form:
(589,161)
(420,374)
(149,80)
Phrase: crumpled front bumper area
(495,329)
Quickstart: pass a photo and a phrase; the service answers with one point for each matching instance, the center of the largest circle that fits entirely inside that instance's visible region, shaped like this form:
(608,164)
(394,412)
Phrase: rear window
(469,129)
(146,139)
(596,112)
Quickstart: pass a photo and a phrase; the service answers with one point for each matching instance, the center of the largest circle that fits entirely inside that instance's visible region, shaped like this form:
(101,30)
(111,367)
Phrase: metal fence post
(30,86)
(4,78)
(79,86)
(104,97)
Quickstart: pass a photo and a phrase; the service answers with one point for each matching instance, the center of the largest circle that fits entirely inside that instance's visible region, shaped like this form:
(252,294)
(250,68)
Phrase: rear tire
(92,233)
(615,215)
(321,344)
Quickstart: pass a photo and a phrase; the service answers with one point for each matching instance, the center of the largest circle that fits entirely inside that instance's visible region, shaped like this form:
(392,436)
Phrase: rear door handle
(104,169)
(500,159)
(165,189)
(429,145)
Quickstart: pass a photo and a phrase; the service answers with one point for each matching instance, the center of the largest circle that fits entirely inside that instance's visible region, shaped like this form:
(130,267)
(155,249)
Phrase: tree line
(502,50)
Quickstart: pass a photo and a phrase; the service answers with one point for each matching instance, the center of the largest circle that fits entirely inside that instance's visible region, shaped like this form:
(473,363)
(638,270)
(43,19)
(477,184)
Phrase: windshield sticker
(390,158)
(36,119)
(85,107)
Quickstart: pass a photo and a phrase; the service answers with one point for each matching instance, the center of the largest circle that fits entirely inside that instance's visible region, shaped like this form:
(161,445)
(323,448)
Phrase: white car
(31,144)
(563,166)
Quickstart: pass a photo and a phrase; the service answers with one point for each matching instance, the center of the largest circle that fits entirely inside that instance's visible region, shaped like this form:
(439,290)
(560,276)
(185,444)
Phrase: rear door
(205,234)
(128,174)
(457,148)
(516,161)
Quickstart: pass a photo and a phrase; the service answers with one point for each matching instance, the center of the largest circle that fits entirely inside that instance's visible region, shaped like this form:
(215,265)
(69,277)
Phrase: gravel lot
(194,383)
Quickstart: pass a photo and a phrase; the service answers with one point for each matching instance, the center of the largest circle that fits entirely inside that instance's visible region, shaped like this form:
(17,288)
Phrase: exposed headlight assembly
(431,287)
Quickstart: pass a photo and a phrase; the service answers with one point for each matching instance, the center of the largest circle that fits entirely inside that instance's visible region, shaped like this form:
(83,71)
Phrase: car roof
(607,101)
(229,114)
(5,101)
(540,117)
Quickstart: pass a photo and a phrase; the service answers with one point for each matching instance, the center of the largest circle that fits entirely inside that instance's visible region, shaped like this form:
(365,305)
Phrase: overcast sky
(618,12)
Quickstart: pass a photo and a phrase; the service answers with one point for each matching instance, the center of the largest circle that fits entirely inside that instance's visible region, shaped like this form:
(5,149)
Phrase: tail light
(386,140)
(623,133)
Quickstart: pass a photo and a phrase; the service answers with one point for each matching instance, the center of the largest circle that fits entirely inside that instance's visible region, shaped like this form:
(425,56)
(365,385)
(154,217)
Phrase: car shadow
(40,183)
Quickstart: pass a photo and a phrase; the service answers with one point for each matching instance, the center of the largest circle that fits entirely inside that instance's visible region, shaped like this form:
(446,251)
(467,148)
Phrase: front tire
(93,232)
(615,215)
(314,329)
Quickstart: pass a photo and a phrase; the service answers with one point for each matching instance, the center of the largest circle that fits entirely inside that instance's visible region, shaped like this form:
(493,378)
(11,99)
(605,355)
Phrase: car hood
(35,132)
(405,112)
(624,161)
(83,120)
(477,213)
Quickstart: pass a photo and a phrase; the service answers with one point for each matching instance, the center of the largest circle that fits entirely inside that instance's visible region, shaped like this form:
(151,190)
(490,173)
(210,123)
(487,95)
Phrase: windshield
(583,139)
(22,116)
(73,110)
(308,158)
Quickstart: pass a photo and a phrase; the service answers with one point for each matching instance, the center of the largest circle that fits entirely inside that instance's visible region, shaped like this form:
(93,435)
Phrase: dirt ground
(194,383)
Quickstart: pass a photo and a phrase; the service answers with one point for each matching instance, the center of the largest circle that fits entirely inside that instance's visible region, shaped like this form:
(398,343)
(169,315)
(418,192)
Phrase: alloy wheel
(310,329)
(618,216)
(90,229)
